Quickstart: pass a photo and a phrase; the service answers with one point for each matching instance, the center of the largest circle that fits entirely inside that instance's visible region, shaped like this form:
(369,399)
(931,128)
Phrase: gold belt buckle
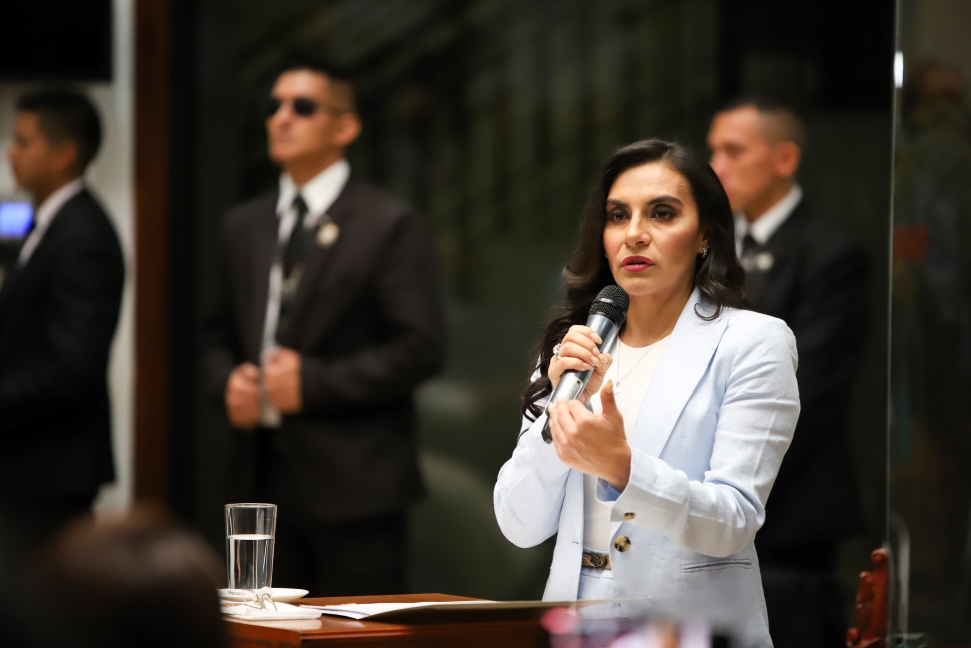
(596,560)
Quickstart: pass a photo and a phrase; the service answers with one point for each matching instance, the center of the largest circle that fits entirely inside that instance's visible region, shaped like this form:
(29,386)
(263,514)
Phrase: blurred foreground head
(756,146)
(139,581)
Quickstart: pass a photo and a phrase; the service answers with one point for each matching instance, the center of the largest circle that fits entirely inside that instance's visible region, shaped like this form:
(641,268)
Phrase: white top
(45,216)
(636,367)
(766,225)
(319,193)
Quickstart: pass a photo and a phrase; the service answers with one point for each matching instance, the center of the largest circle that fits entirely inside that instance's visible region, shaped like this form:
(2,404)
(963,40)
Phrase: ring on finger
(556,350)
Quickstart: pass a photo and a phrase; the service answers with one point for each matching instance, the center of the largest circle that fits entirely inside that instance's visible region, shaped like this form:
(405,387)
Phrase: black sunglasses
(301,106)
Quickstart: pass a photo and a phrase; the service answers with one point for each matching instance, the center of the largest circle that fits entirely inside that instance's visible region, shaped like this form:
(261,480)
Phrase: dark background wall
(67,41)
(491,117)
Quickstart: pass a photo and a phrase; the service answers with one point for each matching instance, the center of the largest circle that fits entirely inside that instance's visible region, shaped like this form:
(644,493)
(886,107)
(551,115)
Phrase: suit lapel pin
(764,261)
(328,232)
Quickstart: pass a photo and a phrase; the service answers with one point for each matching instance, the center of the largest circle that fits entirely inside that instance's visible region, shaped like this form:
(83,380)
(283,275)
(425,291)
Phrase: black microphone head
(612,302)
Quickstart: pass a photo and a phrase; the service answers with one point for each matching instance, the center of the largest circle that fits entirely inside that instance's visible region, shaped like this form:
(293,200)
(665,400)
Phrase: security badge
(327,232)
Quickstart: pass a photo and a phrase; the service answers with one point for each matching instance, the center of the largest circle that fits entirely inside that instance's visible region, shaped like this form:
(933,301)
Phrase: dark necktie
(749,246)
(294,255)
(295,250)
(755,277)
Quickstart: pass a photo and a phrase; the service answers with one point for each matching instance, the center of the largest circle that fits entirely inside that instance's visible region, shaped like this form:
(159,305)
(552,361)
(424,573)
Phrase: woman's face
(652,235)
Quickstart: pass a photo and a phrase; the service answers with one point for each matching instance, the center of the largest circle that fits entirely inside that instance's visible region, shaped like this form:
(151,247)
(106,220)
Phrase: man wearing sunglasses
(330,317)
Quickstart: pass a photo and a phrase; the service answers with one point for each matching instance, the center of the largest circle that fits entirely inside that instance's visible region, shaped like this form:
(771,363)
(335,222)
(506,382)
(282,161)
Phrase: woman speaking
(657,477)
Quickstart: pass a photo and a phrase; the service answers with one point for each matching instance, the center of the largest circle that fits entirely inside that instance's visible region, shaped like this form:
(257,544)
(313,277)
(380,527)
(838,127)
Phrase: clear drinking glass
(250,533)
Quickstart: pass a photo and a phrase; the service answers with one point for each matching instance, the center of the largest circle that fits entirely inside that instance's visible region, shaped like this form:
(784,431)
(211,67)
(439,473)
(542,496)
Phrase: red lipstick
(636,264)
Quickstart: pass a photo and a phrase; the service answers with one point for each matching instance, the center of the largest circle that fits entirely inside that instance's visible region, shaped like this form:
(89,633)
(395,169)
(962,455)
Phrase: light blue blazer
(711,433)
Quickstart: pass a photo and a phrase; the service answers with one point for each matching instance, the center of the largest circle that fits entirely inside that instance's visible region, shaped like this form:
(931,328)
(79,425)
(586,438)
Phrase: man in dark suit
(330,317)
(804,271)
(59,306)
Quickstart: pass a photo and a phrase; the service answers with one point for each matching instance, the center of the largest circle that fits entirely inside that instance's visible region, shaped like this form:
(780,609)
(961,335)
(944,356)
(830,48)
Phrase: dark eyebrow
(655,201)
(665,199)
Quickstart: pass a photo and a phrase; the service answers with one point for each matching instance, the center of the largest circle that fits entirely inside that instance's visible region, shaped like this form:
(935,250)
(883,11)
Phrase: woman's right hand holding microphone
(594,444)
(578,352)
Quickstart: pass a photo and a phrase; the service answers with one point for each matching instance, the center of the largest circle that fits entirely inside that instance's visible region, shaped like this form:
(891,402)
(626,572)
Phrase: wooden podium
(507,628)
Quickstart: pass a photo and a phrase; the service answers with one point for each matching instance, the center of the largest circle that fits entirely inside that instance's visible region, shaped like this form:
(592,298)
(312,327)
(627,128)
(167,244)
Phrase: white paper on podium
(365,610)
(441,610)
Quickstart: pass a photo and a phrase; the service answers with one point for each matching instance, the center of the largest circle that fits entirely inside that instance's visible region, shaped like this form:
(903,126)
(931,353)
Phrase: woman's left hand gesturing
(592,443)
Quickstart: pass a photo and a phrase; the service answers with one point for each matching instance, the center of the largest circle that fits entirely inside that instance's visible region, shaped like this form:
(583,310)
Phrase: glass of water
(250,531)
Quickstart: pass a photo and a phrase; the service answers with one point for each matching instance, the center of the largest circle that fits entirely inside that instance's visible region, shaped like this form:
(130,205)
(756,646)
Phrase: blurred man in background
(330,317)
(804,271)
(59,306)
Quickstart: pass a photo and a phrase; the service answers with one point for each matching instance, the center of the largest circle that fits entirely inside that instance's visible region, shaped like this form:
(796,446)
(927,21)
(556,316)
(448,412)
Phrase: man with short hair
(330,317)
(804,271)
(59,306)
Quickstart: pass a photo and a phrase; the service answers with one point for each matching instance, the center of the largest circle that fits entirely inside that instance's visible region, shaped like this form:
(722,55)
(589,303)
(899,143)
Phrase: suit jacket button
(628,516)
(622,544)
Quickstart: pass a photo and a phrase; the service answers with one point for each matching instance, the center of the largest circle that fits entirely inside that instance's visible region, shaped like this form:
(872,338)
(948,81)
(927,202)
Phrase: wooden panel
(152,55)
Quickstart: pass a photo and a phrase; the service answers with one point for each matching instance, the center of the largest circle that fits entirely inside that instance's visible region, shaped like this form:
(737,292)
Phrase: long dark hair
(718,276)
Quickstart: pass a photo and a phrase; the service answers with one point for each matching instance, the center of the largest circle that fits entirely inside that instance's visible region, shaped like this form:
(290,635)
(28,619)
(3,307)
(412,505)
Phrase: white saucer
(279,594)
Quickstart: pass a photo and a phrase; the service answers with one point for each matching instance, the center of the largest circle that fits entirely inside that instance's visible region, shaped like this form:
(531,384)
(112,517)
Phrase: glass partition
(930,434)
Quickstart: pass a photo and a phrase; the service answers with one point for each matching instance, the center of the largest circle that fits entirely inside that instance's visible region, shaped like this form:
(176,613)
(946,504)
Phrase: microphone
(607,314)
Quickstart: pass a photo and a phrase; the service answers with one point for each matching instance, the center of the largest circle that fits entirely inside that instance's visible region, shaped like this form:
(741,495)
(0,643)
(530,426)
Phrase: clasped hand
(591,443)
(280,377)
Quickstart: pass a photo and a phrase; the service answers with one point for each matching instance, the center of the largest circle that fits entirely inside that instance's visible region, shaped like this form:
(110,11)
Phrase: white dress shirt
(763,227)
(319,193)
(45,214)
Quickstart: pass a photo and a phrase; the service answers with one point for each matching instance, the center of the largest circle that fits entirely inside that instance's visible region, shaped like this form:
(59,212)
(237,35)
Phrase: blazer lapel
(686,358)
(689,351)
(16,269)
(7,287)
(768,289)
(265,235)
(321,258)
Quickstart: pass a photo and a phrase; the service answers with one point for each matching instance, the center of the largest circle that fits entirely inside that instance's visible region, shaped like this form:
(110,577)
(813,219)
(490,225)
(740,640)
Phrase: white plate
(279,594)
